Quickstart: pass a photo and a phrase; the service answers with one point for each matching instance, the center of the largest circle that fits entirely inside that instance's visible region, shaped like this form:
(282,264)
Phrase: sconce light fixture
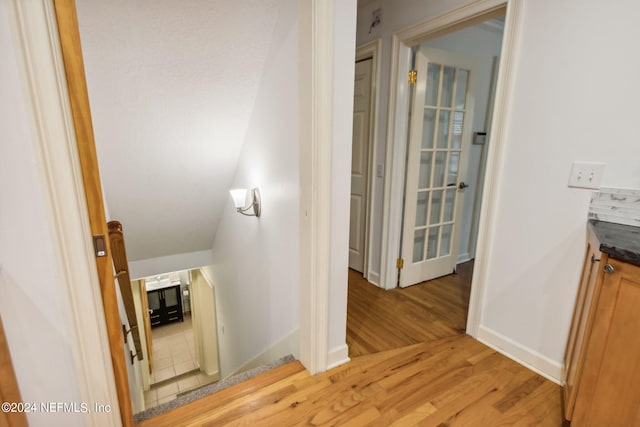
(239,196)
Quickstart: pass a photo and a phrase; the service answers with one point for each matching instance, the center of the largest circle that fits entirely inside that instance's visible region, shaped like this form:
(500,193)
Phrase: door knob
(609,269)
(463,185)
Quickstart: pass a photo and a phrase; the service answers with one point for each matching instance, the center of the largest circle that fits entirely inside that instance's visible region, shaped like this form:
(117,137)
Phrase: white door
(360,164)
(439,139)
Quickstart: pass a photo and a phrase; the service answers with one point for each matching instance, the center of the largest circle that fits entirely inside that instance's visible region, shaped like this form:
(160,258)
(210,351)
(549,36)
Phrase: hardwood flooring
(380,320)
(434,376)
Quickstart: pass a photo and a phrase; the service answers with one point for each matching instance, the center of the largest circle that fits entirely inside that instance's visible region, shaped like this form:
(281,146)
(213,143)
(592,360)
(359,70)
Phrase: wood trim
(9,391)
(121,266)
(69,34)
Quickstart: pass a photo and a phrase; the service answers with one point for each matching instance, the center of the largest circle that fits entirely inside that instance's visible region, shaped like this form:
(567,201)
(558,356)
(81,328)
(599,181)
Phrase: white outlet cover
(586,175)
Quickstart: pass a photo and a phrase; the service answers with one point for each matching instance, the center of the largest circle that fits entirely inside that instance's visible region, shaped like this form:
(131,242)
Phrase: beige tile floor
(173,358)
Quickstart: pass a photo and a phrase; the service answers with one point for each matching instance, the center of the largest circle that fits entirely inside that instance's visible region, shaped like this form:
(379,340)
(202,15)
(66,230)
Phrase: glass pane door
(439,138)
(440,151)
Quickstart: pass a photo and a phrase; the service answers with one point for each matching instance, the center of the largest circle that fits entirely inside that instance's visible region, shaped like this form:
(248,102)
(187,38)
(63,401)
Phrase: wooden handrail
(121,266)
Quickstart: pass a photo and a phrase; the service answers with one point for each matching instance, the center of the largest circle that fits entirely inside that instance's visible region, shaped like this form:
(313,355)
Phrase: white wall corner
(338,356)
(548,368)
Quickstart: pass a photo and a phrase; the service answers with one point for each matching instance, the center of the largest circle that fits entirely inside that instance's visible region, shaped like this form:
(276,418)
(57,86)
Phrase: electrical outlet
(586,175)
(379,170)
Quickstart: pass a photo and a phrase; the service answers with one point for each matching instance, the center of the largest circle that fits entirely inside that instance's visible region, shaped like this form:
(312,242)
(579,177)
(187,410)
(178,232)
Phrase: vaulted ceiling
(171,87)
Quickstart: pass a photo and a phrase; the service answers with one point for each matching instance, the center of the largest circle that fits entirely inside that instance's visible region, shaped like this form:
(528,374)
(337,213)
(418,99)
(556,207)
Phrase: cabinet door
(608,393)
(155,307)
(172,304)
(582,321)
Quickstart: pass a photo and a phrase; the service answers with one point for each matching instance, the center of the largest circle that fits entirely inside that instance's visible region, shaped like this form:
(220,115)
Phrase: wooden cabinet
(165,305)
(602,361)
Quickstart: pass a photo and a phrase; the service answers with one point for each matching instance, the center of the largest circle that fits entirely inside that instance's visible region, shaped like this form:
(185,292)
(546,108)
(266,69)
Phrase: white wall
(169,263)
(484,44)
(396,15)
(33,305)
(256,263)
(573,99)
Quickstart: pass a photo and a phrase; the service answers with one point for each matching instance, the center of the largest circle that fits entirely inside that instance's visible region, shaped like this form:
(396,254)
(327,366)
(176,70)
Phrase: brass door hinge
(399,263)
(413,77)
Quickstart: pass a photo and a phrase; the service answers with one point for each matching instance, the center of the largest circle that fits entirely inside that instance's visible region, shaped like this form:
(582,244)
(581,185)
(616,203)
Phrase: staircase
(198,393)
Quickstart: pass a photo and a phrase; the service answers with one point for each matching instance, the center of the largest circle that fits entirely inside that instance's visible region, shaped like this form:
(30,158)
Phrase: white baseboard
(374,278)
(338,356)
(550,369)
(290,344)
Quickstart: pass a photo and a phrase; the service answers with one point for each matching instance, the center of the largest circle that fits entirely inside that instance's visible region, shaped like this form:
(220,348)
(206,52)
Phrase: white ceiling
(171,85)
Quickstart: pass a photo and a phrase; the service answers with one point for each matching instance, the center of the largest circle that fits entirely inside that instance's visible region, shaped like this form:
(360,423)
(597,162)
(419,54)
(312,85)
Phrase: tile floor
(174,363)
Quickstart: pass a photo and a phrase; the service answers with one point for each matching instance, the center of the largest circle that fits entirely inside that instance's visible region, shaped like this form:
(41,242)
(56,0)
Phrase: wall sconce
(240,201)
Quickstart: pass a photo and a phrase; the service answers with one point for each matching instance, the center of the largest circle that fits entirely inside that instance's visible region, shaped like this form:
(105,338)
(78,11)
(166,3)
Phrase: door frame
(371,50)
(448,22)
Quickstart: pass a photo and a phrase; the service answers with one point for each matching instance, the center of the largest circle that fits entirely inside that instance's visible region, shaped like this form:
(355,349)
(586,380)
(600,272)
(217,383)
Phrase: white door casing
(439,140)
(360,165)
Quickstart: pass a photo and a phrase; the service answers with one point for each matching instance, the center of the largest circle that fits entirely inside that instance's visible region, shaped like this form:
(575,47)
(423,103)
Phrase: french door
(439,140)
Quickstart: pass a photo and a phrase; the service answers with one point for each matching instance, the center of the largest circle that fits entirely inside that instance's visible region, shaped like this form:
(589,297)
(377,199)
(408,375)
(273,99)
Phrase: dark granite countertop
(618,241)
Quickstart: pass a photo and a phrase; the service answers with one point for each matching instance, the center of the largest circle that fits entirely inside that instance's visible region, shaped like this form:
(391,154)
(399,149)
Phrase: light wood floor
(382,320)
(437,377)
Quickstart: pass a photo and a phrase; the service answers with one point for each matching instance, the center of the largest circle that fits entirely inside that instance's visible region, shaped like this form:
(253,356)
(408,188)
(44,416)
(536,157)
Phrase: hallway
(379,320)
(411,365)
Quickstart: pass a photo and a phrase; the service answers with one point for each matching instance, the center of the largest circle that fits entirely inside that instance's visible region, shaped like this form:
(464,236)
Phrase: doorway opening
(178,312)
(448,116)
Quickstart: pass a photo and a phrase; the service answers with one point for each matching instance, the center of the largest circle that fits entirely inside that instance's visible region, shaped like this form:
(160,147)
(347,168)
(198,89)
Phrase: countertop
(618,241)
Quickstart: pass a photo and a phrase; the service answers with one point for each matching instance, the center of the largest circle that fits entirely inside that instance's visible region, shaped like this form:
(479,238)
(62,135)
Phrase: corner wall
(255,267)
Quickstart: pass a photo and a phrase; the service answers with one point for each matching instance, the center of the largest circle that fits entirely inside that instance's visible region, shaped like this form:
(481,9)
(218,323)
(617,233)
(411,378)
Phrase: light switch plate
(586,175)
